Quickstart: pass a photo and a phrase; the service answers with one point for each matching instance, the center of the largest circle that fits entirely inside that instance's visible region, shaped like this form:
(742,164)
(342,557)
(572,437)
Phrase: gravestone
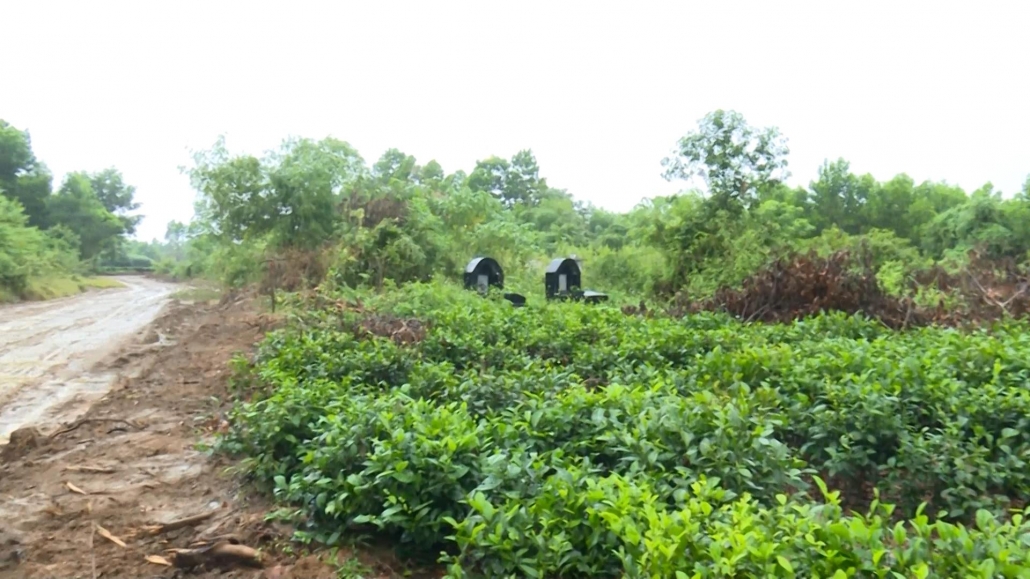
(563,280)
(482,273)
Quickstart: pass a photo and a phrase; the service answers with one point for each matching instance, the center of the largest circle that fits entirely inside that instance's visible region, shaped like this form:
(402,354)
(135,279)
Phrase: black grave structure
(483,273)
(563,280)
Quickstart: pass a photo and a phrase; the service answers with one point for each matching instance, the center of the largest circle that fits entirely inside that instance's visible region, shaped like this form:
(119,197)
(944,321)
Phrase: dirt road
(117,491)
(49,351)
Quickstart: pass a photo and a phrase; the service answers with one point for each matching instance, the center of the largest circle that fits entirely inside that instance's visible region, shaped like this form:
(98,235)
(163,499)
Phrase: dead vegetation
(801,285)
(291,270)
(987,289)
(403,331)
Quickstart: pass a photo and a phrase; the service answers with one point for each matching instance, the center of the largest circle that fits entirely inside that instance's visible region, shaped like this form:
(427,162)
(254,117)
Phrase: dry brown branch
(186,522)
(221,554)
(82,421)
(74,488)
(158,560)
(107,535)
(91,469)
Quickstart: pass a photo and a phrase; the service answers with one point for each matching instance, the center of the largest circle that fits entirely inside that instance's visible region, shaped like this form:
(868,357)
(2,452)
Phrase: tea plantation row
(575,441)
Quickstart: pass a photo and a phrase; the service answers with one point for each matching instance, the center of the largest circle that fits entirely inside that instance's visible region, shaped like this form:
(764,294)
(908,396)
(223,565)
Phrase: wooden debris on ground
(70,486)
(107,535)
(91,469)
(82,421)
(218,554)
(186,522)
(158,560)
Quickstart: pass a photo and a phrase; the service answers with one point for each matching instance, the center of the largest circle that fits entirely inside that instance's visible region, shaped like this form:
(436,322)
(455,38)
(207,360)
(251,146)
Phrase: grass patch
(100,282)
(48,288)
(197,294)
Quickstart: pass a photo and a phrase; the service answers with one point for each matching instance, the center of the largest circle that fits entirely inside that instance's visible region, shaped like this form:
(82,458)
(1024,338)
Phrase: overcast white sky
(599,91)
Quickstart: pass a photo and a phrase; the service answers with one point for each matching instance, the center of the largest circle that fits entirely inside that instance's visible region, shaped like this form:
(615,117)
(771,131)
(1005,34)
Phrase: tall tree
(307,182)
(513,182)
(176,236)
(889,207)
(291,194)
(116,196)
(432,174)
(984,221)
(394,165)
(22,177)
(838,196)
(77,207)
(735,160)
(523,183)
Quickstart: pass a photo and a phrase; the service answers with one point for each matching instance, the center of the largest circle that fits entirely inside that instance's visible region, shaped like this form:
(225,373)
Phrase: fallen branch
(158,560)
(227,538)
(91,469)
(221,554)
(74,488)
(75,425)
(1021,291)
(985,295)
(208,534)
(187,522)
(107,535)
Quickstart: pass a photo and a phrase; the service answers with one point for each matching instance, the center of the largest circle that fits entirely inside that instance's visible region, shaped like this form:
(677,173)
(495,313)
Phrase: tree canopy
(43,232)
(398,220)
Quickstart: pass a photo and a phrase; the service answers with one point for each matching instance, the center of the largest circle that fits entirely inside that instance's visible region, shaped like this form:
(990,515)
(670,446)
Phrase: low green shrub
(570,440)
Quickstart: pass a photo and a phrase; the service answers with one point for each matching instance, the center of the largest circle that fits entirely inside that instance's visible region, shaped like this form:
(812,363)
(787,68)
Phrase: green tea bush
(570,440)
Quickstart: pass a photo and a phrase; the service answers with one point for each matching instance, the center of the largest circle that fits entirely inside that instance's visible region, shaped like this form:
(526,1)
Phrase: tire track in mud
(50,351)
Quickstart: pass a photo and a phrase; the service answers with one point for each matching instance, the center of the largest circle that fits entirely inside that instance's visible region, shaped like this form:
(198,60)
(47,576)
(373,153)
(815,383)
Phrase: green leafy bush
(570,440)
(27,252)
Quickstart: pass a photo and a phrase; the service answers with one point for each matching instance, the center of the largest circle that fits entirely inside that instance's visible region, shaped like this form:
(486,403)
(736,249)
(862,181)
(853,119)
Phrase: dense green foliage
(54,234)
(569,440)
(401,221)
(27,252)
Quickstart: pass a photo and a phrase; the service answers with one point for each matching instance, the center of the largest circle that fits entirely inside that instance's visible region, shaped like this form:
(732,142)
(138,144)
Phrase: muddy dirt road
(127,488)
(49,351)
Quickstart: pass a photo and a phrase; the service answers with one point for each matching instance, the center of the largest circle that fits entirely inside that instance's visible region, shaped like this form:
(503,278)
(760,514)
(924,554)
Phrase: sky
(600,91)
